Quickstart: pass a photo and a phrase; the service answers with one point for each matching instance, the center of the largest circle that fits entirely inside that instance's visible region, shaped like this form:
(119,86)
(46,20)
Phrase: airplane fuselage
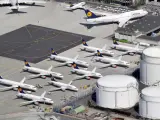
(14,83)
(63,85)
(94,49)
(111,60)
(127,48)
(115,18)
(65,59)
(39,71)
(34,97)
(85,72)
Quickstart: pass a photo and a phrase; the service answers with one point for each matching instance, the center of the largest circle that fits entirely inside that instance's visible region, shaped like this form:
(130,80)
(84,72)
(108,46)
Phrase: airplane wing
(124,53)
(6,88)
(63,64)
(122,21)
(108,65)
(81,77)
(36,76)
(30,1)
(4,2)
(17,7)
(27,103)
(50,68)
(54,89)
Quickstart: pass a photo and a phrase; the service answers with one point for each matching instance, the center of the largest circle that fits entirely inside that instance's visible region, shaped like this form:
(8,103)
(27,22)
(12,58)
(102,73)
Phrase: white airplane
(14,85)
(73,7)
(63,86)
(34,98)
(113,62)
(15,3)
(120,18)
(94,49)
(67,61)
(85,74)
(128,50)
(41,72)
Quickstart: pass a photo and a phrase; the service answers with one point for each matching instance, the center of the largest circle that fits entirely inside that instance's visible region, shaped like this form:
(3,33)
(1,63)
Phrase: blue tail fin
(99,54)
(20,90)
(84,42)
(1,77)
(75,65)
(53,52)
(26,63)
(90,14)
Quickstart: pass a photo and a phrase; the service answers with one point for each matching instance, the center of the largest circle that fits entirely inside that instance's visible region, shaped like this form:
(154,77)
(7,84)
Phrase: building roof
(116,81)
(145,25)
(151,91)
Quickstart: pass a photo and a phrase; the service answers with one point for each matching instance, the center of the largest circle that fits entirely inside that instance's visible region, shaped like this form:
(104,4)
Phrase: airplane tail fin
(115,42)
(1,77)
(26,63)
(23,80)
(104,47)
(43,94)
(84,42)
(53,52)
(90,14)
(75,66)
(75,58)
(99,54)
(94,70)
(20,90)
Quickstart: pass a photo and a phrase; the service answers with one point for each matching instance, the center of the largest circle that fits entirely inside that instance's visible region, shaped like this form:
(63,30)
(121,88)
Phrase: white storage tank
(150,66)
(117,92)
(149,104)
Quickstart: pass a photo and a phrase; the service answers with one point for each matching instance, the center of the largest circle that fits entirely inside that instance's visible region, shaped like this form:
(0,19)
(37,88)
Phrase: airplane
(15,3)
(33,98)
(41,72)
(63,86)
(85,74)
(67,61)
(94,49)
(113,62)
(94,20)
(73,7)
(14,85)
(128,50)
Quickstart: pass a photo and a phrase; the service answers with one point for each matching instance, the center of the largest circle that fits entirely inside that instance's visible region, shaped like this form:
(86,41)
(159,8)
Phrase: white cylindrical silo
(150,66)
(117,92)
(149,104)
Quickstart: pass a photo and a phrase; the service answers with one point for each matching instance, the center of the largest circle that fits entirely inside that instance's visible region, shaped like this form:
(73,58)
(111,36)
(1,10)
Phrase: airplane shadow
(16,12)
(33,5)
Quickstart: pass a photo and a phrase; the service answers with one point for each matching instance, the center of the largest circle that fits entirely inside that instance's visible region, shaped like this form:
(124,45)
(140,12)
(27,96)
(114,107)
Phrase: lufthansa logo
(89,14)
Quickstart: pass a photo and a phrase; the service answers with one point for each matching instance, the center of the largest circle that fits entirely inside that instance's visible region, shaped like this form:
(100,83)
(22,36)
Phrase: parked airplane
(41,72)
(34,98)
(85,74)
(67,61)
(94,49)
(113,62)
(14,85)
(73,7)
(128,50)
(120,18)
(63,86)
(15,3)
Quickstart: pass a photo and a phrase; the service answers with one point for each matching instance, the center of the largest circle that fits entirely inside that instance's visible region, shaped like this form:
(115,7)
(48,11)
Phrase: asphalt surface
(28,42)
(53,16)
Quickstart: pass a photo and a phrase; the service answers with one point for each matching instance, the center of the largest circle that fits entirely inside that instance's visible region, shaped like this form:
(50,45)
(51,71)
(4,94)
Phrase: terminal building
(147,29)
